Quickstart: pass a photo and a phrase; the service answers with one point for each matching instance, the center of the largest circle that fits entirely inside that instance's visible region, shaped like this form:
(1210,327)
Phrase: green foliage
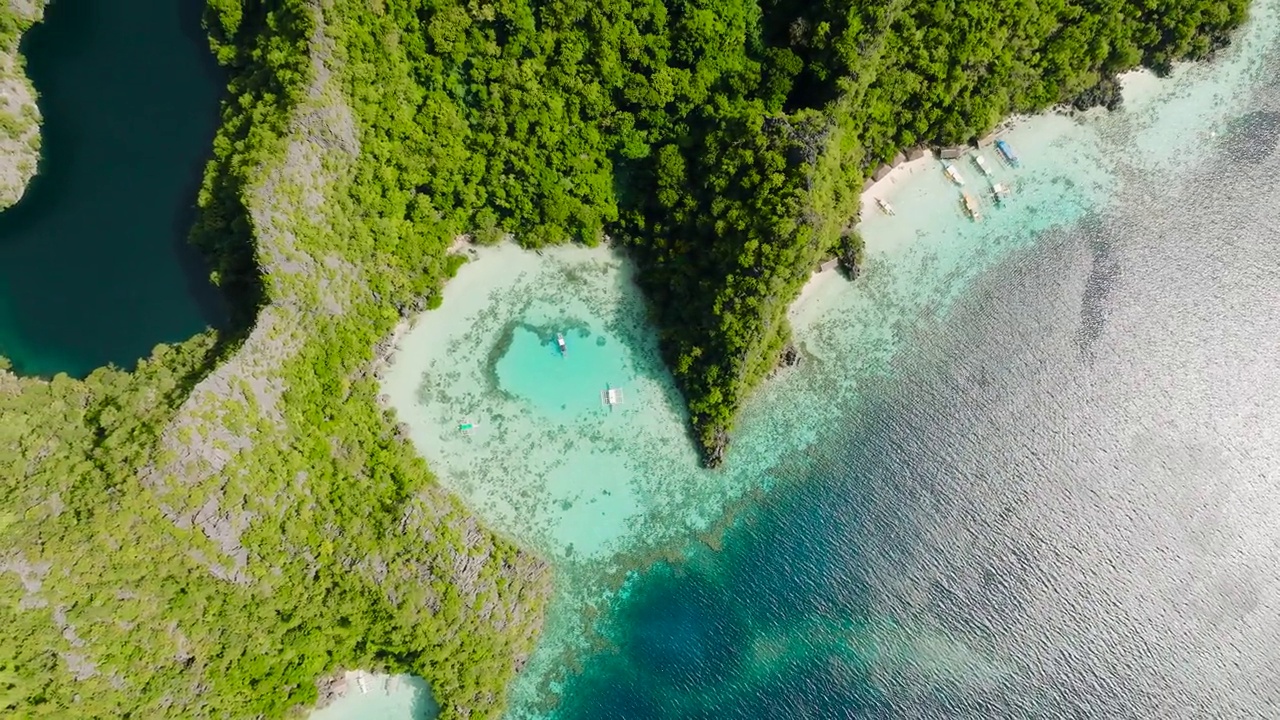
(170,552)
(756,178)
(722,140)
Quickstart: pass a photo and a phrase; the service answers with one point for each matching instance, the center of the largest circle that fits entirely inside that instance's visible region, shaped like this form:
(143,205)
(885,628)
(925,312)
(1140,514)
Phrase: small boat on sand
(954,174)
(971,206)
(981,162)
(560,342)
(1007,152)
(885,206)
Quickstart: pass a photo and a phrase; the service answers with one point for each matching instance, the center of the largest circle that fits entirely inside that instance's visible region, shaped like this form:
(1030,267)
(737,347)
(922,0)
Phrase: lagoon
(94,262)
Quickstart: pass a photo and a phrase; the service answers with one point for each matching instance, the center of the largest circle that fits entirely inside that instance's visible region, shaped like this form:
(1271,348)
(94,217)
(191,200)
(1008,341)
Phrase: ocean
(1028,466)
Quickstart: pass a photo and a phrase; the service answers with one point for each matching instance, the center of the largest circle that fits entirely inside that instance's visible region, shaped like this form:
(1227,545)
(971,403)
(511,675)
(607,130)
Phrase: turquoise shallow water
(1017,474)
(564,385)
(94,263)
(382,697)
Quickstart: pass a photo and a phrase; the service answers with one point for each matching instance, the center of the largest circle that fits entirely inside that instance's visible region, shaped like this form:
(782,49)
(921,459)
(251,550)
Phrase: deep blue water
(1061,504)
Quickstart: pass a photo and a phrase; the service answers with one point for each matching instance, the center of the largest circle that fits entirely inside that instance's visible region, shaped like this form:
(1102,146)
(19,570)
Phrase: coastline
(349,695)
(20,138)
(548,474)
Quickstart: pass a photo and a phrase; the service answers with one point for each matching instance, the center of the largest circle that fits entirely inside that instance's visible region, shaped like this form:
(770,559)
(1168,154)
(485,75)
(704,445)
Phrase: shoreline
(20,151)
(884,187)
(388,691)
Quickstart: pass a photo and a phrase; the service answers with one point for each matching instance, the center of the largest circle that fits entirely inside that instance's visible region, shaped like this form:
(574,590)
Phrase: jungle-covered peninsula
(210,533)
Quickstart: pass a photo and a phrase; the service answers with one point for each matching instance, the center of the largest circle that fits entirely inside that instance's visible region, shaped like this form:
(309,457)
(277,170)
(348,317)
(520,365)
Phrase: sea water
(380,697)
(1025,469)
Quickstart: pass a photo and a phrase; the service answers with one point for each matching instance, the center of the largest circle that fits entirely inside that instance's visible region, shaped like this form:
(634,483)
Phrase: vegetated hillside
(19,116)
(723,141)
(206,536)
(211,534)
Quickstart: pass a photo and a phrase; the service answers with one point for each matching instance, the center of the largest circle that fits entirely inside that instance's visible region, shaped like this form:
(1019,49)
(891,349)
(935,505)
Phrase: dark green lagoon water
(94,263)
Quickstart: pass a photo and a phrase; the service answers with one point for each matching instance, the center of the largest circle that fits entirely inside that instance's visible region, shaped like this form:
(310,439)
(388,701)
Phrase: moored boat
(885,206)
(1000,191)
(560,342)
(971,206)
(981,162)
(954,174)
(1007,152)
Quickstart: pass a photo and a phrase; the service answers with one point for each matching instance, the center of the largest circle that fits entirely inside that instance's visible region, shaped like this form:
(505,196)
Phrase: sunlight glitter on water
(597,490)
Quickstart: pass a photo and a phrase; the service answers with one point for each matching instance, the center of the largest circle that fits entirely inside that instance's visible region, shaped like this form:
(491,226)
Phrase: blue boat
(1007,152)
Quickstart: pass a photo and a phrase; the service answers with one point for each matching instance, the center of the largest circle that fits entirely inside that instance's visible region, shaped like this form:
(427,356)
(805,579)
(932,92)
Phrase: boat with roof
(981,162)
(1001,191)
(611,396)
(971,206)
(564,349)
(1007,153)
(954,174)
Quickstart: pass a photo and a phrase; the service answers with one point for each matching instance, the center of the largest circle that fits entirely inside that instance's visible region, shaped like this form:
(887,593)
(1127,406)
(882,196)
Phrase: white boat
(885,206)
(560,341)
(1000,191)
(611,396)
(981,162)
(971,207)
(954,174)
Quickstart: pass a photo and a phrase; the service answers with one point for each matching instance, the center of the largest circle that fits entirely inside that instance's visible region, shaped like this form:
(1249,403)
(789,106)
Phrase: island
(237,519)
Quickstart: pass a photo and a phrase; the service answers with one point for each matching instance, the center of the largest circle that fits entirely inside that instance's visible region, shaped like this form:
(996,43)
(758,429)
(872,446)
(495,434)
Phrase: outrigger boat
(560,342)
(1000,192)
(1009,155)
(954,174)
(885,206)
(981,162)
(971,207)
(611,396)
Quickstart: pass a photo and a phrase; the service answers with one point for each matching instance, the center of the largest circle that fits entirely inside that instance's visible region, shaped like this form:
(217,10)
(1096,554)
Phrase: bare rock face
(851,262)
(849,255)
(790,356)
(19,115)
(1106,93)
(714,454)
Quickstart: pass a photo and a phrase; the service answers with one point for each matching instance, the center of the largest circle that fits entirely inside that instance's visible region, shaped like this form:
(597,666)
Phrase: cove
(94,262)
(362,695)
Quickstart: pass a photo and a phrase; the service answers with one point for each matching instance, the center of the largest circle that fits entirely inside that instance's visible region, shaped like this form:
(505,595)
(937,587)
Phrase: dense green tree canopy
(208,534)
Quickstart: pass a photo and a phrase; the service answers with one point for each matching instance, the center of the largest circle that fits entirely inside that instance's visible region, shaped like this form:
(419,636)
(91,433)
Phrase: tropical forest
(208,533)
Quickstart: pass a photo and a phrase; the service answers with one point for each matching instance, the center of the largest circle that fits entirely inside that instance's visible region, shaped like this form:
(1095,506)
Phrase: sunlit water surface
(1028,468)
